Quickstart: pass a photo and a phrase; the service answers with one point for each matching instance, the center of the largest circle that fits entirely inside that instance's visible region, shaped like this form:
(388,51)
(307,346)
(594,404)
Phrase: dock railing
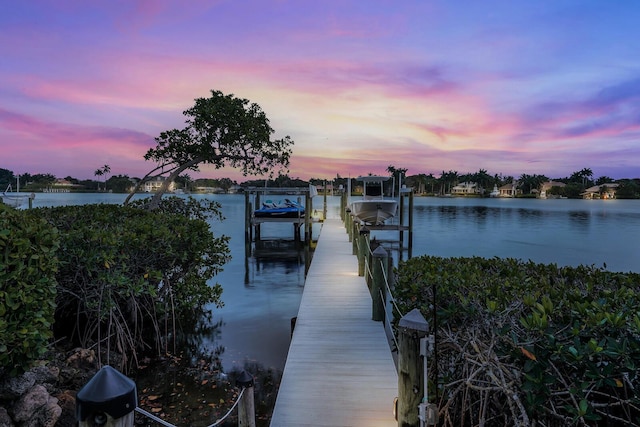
(410,335)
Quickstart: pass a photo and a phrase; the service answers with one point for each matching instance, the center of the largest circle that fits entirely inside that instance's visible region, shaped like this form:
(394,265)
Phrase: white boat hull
(374,212)
(13,200)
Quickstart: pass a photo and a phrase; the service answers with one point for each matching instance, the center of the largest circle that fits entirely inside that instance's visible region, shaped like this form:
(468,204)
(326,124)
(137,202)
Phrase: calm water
(262,295)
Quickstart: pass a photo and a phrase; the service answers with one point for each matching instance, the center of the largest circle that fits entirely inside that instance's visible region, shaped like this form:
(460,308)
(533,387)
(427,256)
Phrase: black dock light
(245,380)
(108,396)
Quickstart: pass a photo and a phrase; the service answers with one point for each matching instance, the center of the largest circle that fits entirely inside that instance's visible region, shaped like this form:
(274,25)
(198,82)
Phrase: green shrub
(28,266)
(128,275)
(529,341)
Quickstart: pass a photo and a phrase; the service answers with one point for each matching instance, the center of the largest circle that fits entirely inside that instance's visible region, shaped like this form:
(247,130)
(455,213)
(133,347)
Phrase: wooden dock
(339,370)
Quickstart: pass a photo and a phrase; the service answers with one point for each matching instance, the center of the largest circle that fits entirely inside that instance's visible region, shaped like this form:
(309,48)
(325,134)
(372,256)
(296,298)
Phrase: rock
(37,408)
(5,419)
(12,388)
(67,401)
(82,358)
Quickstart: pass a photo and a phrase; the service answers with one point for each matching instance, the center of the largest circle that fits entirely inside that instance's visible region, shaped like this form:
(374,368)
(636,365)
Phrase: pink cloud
(68,149)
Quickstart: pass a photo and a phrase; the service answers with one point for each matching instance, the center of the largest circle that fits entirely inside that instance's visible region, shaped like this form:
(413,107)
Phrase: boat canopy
(373,178)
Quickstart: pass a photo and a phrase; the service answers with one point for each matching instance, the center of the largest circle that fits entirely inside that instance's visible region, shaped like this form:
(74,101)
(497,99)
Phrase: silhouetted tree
(221,130)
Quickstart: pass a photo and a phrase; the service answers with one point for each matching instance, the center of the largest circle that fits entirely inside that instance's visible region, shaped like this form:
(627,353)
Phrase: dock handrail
(388,317)
(217,423)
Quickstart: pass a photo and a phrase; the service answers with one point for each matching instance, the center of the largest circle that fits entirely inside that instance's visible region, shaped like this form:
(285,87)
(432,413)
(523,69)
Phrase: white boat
(15,199)
(373,208)
(495,192)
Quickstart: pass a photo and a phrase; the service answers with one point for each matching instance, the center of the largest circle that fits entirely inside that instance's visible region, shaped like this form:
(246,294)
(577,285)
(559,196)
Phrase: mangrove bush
(519,343)
(28,266)
(128,275)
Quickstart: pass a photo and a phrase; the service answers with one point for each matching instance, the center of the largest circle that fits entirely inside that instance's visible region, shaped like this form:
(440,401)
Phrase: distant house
(604,191)
(63,183)
(234,189)
(154,185)
(465,188)
(546,186)
(210,190)
(60,186)
(329,187)
(510,190)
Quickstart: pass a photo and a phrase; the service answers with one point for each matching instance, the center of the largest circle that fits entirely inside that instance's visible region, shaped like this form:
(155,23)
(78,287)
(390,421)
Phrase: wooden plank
(340,370)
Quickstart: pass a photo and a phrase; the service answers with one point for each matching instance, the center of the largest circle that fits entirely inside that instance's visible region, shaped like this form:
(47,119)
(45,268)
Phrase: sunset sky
(538,87)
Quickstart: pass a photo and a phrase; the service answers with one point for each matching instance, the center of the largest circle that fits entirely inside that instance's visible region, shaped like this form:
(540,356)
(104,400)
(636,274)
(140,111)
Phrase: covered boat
(373,208)
(285,209)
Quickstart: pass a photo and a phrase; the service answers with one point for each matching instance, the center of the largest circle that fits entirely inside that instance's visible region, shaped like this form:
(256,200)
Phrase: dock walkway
(339,370)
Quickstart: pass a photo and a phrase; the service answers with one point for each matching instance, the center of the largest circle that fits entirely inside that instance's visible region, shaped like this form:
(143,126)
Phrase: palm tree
(432,180)
(99,172)
(482,178)
(582,176)
(105,170)
(586,173)
(447,179)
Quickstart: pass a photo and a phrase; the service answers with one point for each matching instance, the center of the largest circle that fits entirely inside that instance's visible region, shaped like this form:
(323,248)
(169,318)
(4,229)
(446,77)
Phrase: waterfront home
(604,191)
(546,186)
(154,185)
(210,190)
(466,188)
(510,190)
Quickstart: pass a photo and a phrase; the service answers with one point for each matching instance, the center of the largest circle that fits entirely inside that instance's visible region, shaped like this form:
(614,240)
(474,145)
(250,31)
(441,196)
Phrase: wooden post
(378,288)
(324,208)
(368,273)
(410,224)
(108,399)
(308,223)
(391,280)
(412,328)
(363,249)
(246,406)
(401,198)
(355,233)
(247,218)
(347,220)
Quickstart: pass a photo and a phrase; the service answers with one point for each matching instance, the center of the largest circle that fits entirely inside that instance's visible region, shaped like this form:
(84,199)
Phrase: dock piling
(108,399)
(246,406)
(379,265)
(411,371)
(363,249)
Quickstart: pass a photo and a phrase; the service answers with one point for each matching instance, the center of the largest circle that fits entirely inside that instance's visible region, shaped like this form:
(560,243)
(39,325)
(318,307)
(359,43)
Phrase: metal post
(379,261)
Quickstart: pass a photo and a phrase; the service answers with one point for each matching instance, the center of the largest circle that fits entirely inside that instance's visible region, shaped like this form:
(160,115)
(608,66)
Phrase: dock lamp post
(413,407)
(108,399)
(246,408)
